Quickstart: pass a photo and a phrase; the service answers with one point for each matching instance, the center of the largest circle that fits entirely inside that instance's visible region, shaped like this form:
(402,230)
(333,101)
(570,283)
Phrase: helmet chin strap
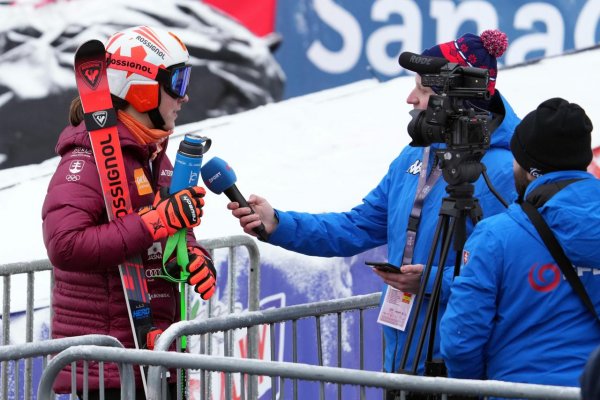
(155,117)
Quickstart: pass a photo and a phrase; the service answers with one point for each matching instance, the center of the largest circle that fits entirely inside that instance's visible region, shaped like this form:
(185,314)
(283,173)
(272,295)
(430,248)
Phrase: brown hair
(76,110)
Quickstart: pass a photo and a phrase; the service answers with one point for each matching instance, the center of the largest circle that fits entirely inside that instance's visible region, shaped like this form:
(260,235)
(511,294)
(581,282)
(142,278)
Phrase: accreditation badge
(396,308)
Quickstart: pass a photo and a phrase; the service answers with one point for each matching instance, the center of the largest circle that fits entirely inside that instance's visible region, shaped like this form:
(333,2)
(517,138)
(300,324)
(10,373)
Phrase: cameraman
(512,315)
(382,218)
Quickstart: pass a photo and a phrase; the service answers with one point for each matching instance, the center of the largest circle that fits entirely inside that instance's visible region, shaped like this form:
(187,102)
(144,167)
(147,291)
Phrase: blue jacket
(383,216)
(511,315)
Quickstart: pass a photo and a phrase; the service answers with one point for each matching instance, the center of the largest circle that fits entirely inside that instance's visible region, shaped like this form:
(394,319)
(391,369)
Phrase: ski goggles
(175,79)
(177,82)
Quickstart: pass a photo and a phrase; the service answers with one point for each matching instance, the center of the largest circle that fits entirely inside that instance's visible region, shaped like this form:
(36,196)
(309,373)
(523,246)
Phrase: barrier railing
(32,269)
(252,320)
(7,271)
(286,370)
(29,351)
(232,242)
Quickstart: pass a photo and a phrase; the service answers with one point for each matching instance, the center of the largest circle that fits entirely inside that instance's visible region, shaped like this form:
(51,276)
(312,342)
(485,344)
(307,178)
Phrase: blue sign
(327,43)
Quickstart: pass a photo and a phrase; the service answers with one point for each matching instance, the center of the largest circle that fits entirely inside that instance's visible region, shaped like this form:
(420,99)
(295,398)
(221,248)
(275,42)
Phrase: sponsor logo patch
(155,251)
(544,278)
(141,182)
(100,117)
(152,272)
(415,168)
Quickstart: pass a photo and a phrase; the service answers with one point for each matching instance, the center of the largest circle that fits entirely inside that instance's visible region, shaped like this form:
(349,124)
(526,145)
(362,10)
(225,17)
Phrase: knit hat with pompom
(474,51)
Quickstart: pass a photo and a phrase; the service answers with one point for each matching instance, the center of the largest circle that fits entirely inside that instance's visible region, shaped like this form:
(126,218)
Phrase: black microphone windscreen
(421,64)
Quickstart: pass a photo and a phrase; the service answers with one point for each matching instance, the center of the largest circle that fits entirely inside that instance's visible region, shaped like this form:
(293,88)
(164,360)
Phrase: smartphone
(383,266)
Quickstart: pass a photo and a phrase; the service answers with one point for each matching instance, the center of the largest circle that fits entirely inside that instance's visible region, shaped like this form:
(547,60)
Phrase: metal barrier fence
(252,320)
(286,370)
(46,348)
(30,269)
(7,271)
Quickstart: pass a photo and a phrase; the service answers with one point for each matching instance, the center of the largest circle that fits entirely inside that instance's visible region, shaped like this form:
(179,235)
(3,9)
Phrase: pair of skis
(101,120)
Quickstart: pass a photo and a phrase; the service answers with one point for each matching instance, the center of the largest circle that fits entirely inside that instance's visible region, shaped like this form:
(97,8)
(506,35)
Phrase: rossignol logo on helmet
(130,65)
(100,117)
(151,46)
(91,72)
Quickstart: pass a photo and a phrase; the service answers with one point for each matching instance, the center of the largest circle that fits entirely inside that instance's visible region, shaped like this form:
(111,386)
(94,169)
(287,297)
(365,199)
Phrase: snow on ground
(319,152)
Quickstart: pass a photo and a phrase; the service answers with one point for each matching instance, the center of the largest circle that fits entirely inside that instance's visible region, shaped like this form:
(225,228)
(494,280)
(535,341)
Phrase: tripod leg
(434,300)
(441,228)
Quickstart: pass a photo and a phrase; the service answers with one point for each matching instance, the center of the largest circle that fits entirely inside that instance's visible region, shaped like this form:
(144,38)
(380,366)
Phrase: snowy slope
(320,152)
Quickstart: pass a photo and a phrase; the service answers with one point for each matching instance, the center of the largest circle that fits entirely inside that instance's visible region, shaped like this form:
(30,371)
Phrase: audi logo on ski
(119,204)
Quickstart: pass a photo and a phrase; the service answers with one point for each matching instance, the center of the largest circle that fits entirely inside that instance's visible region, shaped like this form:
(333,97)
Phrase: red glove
(203,275)
(172,213)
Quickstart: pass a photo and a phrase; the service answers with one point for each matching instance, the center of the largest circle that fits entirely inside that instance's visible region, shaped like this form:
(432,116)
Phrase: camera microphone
(421,64)
(219,178)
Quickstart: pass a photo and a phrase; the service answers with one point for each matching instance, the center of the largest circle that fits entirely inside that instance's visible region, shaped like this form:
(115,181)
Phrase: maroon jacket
(85,249)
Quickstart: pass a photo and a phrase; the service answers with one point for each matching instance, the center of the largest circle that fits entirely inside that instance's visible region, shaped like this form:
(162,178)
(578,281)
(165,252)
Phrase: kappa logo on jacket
(415,168)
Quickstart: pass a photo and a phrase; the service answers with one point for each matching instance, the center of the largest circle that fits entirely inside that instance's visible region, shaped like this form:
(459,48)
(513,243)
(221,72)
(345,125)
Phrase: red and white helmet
(142,58)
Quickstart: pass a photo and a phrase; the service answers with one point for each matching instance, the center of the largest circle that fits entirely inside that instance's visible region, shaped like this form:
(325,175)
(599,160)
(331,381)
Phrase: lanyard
(423,188)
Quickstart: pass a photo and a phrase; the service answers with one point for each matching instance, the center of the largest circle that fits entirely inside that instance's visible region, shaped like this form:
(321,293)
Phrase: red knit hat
(474,51)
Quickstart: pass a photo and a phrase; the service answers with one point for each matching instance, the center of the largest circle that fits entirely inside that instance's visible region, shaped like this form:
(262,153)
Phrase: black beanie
(554,137)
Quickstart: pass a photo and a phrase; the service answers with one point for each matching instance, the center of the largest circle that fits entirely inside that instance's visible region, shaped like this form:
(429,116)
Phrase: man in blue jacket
(382,217)
(511,314)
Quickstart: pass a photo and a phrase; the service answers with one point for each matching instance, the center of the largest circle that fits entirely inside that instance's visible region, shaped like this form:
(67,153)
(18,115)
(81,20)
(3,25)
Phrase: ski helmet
(140,59)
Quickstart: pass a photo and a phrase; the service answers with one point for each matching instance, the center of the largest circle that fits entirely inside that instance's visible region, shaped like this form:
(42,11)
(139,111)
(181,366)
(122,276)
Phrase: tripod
(455,208)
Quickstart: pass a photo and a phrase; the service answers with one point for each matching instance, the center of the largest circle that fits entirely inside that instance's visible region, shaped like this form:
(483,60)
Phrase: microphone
(219,178)
(421,64)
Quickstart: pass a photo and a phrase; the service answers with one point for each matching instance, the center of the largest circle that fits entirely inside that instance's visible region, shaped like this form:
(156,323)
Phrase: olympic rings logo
(73,178)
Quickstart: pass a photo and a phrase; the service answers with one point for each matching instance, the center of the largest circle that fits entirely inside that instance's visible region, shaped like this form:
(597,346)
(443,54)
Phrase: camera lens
(421,132)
